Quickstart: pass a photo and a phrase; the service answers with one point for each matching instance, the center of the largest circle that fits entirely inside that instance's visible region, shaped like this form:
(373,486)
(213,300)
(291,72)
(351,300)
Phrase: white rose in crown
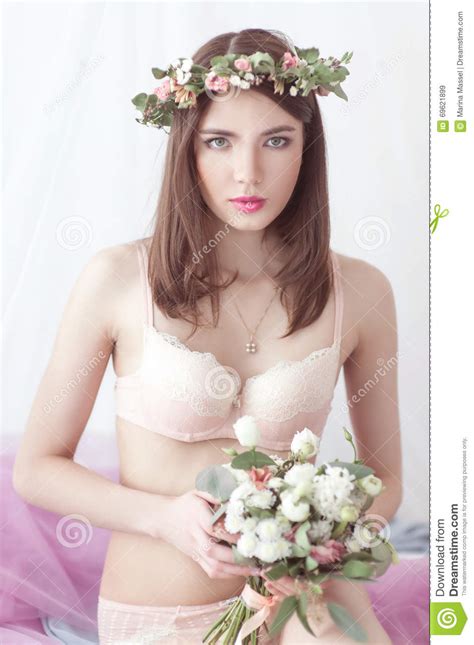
(247,431)
(305,443)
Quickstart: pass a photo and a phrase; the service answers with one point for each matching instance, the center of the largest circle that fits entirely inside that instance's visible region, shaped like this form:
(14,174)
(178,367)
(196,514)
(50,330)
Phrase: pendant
(251,347)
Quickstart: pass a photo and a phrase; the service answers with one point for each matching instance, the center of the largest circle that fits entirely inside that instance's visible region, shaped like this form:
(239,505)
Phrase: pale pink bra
(188,395)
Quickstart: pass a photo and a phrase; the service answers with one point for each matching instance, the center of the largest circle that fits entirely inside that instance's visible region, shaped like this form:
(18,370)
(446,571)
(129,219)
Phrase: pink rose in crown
(216,83)
(289,61)
(242,64)
(330,551)
(259,476)
(163,90)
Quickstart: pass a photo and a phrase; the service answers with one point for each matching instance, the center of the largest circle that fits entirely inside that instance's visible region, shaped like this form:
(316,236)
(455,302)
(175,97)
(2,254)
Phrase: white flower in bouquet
(283,521)
(352,544)
(233,523)
(246,431)
(300,473)
(371,485)
(305,443)
(349,513)
(269,529)
(243,491)
(247,544)
(320,530)
(332,491)
(271,551)
(261,499)
(275,482)
(239,474)
(296,511)
(249,524)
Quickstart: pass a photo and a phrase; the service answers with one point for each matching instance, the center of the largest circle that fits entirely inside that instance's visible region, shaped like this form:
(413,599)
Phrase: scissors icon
(438,216)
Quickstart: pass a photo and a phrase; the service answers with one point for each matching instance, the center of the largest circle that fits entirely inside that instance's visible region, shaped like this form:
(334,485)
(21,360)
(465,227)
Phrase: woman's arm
(44,473)
(371,374)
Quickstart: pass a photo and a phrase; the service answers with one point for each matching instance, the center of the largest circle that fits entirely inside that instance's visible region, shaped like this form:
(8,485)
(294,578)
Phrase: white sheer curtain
(80,174)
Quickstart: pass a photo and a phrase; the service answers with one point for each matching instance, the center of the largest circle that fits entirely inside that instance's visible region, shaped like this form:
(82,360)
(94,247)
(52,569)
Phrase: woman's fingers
(284,585)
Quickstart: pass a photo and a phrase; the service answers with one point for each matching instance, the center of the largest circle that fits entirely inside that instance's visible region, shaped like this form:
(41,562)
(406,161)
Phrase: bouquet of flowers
(293,519)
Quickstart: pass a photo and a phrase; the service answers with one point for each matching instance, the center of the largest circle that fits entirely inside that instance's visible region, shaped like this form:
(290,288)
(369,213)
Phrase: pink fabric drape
(50,568)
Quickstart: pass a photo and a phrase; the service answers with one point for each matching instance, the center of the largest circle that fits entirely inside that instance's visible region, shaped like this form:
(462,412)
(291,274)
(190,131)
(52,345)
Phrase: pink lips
(248,204)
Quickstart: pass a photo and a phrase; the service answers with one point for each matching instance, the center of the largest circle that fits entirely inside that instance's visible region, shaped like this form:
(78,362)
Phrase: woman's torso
(144,570)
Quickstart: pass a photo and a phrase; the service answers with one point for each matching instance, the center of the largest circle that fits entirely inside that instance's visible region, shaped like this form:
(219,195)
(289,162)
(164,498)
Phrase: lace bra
(188,395)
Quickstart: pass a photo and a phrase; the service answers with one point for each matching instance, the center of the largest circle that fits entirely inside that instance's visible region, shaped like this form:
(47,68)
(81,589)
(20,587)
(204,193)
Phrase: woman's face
(248,145)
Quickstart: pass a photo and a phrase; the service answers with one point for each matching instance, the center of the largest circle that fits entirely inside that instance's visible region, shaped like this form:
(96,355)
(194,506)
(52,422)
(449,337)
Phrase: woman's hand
(190,516)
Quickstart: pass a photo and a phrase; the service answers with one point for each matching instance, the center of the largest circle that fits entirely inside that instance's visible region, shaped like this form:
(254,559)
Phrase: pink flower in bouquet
(243,65)
(289,61)
(260,475)
(330,551)
(163,90)
(216,83)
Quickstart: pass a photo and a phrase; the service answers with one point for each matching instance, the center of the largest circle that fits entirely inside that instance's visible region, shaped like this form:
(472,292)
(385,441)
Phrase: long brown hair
(303,226)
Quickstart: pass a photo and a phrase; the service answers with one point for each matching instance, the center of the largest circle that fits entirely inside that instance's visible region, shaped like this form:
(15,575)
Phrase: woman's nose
(247,167)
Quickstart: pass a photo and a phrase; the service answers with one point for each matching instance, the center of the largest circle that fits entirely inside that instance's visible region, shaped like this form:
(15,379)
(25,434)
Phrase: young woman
(235,305)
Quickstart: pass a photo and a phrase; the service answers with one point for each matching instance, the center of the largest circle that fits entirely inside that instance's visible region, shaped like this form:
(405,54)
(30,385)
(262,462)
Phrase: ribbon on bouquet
(262,604)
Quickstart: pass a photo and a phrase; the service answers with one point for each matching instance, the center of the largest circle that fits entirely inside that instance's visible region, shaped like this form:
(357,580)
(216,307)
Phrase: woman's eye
(281,139)
(210,141)
(219,142)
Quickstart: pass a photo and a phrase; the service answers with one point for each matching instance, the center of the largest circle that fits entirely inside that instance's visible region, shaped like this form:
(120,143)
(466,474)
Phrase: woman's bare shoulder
(362,277)
(109,280)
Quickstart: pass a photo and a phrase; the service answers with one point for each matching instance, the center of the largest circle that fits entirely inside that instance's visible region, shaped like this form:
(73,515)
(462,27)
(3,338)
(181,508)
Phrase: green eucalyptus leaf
(295,569)
(278,571)
(311,54)
(157,72)
(310,563)
(359,555)
(246,460)
(383,554)
(219,61)
(358,569)
(140,100)
(217,481)
(344,620)
(286,609)
(301,610)
(301,536)
(298,551)
(338,91)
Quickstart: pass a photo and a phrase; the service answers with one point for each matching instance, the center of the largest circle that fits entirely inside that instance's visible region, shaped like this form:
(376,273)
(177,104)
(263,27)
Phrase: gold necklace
(251,346)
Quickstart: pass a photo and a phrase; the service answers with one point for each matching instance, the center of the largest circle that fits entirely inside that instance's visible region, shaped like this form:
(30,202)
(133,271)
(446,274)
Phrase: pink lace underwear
(124,624)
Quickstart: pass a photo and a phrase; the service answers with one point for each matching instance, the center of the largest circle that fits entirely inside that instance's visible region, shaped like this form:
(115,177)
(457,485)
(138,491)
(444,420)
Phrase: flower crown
(184,80)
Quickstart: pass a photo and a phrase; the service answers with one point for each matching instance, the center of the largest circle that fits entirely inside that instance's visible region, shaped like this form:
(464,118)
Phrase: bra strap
(339,298)
(143,264)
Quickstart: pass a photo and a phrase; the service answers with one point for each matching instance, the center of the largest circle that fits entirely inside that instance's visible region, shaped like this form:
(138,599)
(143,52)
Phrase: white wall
(81,174)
